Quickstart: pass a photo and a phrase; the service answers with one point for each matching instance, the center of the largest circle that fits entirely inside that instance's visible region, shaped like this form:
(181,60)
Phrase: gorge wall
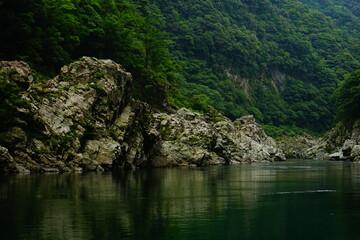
(84,119)
(341,143)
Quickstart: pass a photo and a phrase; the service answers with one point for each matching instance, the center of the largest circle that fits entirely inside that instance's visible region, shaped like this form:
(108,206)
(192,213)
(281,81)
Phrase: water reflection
(291,200)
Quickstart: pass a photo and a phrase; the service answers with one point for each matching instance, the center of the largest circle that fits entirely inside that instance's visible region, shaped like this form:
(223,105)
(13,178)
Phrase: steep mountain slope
(345,13)
(279,60)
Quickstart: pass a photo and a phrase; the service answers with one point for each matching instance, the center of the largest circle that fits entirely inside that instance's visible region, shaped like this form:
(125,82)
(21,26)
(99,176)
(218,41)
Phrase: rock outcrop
(186,138)
(342,143)
(296,147)
(84,119)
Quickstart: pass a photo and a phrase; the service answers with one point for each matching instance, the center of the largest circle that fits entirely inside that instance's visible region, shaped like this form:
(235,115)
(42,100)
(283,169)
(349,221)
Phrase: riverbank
(341,143)
(85,119)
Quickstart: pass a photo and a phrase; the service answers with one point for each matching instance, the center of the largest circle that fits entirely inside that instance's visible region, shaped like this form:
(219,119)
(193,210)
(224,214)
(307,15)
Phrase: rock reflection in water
(281,199)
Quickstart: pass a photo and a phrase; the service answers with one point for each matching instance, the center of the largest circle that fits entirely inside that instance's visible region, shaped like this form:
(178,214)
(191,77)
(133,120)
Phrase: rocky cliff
(340,143)
(85,120)
(297,147)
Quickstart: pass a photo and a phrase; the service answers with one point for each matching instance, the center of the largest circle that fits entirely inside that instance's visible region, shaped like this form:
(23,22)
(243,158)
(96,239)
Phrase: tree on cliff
(347,98)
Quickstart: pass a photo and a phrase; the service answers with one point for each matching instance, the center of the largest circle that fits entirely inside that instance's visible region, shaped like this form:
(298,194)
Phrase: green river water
(296,199)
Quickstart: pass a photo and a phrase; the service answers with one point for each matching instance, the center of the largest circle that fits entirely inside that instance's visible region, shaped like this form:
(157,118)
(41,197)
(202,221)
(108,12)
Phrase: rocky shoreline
(85,120)
(341,143)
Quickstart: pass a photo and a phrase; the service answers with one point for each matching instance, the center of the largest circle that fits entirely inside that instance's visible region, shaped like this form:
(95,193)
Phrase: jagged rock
(338,143)
(6,160)
(69,114)
(16,137)
(5,156)
(252,129)
(103,151)
(192,139)
(20,72)
(84,120)
(21,169)
(297,146)
(336,156)
(131,131)
(91,165)
(8,164)
(347,147)
(91,92)
(355,153)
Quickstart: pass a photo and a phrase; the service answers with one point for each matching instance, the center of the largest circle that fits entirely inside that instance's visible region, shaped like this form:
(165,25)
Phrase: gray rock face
(297,146)
(21,72)
(71,116)
(339,144)
(8,164)
(104,151)
(191,139)
(83,88)
(355,153)
(84,120)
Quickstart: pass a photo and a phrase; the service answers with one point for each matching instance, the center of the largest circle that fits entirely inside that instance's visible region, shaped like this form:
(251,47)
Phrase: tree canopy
(347,98)
(279,60)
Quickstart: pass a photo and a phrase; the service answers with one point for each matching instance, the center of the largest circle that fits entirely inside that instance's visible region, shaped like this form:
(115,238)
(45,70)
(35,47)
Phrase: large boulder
(88,92)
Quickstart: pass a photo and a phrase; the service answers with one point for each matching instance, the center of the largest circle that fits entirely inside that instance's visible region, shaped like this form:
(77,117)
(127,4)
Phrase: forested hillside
(279,60)
(345,13)
(347,98)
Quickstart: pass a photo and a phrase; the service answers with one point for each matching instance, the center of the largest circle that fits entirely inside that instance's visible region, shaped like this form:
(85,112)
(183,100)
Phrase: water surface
(298,199)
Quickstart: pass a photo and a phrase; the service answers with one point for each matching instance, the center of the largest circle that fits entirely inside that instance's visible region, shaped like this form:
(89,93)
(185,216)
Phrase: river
(296,199)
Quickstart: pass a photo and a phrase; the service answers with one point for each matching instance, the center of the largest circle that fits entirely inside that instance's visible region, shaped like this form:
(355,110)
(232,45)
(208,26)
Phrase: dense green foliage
(279,60)
(50,33)
(345,13)
(347,98)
